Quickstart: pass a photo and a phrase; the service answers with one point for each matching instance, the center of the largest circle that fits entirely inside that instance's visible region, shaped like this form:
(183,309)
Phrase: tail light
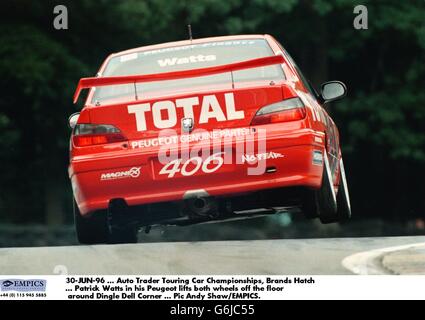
(93,134)
(282,111)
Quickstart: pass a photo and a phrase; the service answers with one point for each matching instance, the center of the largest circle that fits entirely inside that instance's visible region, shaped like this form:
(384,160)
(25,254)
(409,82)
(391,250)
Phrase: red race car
(200,130)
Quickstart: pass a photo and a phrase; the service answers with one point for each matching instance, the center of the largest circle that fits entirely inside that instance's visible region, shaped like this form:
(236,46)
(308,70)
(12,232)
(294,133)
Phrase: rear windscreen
(185,58)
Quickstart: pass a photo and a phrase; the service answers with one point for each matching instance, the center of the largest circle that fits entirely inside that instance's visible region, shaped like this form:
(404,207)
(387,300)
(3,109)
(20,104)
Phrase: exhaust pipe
(205,207)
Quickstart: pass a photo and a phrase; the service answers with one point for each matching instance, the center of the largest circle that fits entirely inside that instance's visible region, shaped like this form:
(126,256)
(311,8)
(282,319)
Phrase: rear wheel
(119,224)
(322,203)
(92,229)
(343,197)
(326,197)
(97,229)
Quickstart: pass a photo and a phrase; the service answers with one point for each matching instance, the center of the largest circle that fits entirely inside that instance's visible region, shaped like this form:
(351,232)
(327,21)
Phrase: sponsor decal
(185,60)
(164,113)
(23,285)
(201,45)
(253,158)
(193,165)
(186,153)
(199,136)
(132,173)
(211,164)
(317,157)
(128,57)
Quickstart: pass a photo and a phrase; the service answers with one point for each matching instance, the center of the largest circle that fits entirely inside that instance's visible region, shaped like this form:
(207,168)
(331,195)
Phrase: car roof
(189,42)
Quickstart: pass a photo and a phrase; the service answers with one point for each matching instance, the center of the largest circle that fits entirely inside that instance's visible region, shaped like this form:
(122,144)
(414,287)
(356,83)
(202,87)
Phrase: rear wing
(86,83)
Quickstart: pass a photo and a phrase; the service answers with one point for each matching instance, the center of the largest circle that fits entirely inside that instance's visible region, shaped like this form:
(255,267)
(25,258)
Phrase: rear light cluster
(93,134)
(282,111)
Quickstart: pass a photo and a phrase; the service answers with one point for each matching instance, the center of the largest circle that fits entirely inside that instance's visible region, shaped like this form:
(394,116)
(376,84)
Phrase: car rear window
(185,58)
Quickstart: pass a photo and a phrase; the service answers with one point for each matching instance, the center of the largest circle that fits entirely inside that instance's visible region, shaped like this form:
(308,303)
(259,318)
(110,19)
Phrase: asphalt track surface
(393,255)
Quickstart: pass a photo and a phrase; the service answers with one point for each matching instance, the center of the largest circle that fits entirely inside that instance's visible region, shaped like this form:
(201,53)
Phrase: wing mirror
(333,90)
(72,120)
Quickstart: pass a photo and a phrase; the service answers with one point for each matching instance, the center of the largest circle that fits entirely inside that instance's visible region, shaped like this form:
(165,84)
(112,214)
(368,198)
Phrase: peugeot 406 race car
(200,130)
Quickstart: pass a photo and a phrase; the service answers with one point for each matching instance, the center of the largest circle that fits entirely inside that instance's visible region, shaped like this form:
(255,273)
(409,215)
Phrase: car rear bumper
(133,176)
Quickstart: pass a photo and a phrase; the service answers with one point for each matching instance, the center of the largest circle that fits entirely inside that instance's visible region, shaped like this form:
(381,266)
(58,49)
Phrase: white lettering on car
(139,111)
(209,165)
(252,158)
(187,104)
(200,135)
(132,173)
(232,113)
(185,60)
(211,109)
(157,112)
(164,113)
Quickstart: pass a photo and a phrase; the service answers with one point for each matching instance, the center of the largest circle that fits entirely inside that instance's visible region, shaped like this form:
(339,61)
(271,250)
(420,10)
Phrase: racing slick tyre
(93,229)
(325,197)
(122,235)
(322,203)
(119,228)
(96,229)
(343,196)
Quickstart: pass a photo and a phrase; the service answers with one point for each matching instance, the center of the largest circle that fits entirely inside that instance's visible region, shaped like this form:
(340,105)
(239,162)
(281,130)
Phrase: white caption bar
(211,287)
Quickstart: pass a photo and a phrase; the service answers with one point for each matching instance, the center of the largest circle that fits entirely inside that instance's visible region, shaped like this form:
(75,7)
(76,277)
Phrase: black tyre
(93,229)
(123,235)
(96,229)
(322,203)
(119,226)
(343,196)
(326,197)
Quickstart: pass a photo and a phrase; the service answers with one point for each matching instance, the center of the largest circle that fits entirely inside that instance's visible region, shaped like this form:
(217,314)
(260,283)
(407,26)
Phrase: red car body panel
(135,170)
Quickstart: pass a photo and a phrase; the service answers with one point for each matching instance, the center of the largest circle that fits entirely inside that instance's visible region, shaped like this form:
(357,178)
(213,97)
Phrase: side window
(304,80)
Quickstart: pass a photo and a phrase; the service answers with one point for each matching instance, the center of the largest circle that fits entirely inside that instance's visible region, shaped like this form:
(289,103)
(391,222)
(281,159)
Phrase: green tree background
(382,122)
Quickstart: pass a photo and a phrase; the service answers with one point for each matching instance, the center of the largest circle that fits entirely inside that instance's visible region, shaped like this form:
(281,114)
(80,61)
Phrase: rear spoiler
(86,83)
